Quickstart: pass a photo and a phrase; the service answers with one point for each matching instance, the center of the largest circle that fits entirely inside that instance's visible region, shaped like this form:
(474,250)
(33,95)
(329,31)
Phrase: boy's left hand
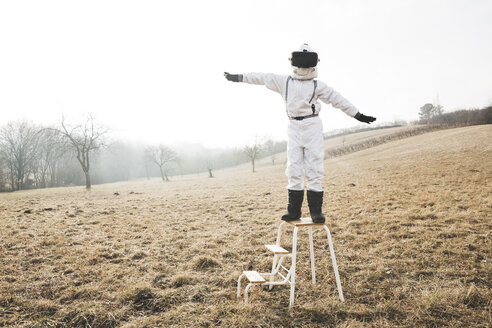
(233,77)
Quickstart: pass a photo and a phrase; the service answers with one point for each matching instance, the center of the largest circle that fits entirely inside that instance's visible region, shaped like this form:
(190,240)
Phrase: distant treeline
(463,117)
(436,121)
(33,156)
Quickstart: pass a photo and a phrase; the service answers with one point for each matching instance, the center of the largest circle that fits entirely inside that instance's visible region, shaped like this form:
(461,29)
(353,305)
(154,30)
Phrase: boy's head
(304,63)
(305,57)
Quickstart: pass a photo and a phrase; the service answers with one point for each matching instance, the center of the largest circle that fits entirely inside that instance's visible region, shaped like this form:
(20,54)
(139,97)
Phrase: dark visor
(304,59)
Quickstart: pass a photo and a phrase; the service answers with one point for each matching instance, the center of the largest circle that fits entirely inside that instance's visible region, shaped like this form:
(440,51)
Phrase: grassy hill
(410,221)
(348,140)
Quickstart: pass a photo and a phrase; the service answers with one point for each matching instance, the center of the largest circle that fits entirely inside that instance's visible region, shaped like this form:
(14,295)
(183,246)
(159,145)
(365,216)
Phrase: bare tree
(147,161)
(85,139)
(428,111)
(59,158)
(7,161)
(270,148)
(49,151)
(162,156)
(18,144)
(2,175)
(438,109)
(210,166)
(253,150)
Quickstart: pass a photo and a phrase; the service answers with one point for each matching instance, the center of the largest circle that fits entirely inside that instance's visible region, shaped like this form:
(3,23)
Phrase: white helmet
(305,48)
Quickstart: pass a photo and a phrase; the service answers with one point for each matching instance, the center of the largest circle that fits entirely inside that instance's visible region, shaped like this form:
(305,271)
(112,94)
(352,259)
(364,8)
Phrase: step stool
(279,254)
(256,278)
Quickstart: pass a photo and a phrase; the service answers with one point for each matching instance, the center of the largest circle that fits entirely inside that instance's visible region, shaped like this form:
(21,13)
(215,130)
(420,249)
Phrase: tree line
(434,114)
(36,156)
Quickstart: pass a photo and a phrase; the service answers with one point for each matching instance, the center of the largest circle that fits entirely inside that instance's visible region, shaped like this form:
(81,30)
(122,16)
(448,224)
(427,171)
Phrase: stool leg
(275,258)
(293,267)
(279,233)
(239,285)
(246,293)
(334,262)
(311,251)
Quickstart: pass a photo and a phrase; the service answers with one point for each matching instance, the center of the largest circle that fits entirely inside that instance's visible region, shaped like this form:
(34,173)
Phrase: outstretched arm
(330,96)
(271,81)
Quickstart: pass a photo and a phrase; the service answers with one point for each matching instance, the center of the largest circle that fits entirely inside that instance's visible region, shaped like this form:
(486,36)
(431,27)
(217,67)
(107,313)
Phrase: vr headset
(304,59)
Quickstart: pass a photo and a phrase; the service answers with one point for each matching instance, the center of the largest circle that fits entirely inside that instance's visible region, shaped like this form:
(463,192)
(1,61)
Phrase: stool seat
(303,222)
(276,249)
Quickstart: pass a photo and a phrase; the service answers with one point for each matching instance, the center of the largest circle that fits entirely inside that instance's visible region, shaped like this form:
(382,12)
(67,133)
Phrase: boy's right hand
(234,77)
(363,118)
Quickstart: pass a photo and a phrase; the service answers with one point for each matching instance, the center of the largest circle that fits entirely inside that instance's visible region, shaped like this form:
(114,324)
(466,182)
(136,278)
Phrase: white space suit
(305,147)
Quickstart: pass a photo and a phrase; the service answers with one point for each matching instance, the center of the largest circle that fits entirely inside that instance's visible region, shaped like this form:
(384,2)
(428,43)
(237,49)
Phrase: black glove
(234,77)
(363,118)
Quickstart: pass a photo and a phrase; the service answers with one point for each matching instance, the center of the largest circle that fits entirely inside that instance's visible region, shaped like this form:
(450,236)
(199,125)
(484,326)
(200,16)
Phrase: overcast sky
(153,70)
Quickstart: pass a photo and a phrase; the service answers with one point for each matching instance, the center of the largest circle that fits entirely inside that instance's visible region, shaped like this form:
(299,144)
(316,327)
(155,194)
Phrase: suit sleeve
(271,81)
(330,96)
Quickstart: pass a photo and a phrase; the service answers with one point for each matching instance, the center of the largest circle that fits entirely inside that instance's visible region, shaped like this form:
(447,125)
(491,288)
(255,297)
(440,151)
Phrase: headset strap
(313,106)
(287,87)
(314,91)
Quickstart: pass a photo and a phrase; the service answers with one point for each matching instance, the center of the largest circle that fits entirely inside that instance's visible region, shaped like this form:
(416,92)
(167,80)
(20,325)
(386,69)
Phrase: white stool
(280,254)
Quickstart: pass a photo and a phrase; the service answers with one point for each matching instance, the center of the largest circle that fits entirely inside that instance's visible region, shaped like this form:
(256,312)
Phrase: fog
(153,71)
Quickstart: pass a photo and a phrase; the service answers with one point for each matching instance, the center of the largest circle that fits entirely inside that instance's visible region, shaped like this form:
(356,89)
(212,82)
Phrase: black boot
(315,201)
(294,207)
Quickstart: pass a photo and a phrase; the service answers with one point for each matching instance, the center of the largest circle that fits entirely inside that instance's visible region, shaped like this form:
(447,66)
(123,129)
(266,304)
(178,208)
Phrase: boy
(305,144)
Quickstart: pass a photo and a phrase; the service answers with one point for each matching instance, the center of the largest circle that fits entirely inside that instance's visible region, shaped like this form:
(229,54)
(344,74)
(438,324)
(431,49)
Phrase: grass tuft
(476,298)
(204,263)
(139,255)
(182,280)
(142,299)
(94,316)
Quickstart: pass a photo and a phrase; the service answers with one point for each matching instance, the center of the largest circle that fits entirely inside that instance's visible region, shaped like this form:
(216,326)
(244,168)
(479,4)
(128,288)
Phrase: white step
(277,249)
(254,277)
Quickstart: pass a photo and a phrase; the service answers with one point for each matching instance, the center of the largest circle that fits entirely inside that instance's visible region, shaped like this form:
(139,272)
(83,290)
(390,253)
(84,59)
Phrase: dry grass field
(410,219)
